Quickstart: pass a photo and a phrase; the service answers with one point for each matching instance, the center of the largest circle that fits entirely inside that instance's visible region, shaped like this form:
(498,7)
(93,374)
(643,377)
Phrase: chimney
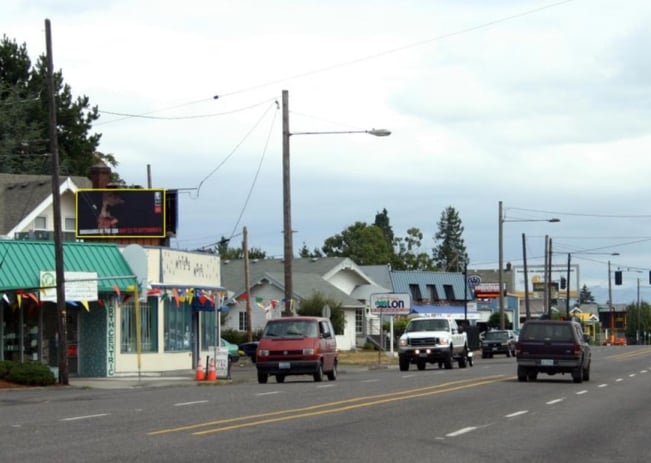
(100,175)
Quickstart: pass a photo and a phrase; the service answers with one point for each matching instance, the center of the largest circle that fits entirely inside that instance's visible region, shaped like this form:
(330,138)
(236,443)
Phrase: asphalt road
(476,414)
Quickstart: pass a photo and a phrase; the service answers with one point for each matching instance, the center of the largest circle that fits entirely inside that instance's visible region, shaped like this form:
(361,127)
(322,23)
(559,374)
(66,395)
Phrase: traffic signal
(563,283)
(618,277)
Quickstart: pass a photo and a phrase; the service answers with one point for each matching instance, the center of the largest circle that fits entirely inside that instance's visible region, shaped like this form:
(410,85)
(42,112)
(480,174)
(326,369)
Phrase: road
(475,414)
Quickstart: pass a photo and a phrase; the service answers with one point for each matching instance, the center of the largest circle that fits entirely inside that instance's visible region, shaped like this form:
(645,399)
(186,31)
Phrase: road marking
(184,404)
(407,376)
(74,418)
(643,371)
(518,413)
(585,391)
(602,385)
(323,386)
(555,401)
(267,393)
(340,406)
(461,431)
(618,380)
(371,380)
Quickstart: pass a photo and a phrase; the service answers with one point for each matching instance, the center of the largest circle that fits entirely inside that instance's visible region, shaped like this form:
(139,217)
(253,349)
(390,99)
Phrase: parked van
(297,346)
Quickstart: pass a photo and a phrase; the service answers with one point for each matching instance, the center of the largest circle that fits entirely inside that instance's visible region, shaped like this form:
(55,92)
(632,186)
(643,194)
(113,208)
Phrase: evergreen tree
(24,119)
(450,254)
(585,296)
(409,255)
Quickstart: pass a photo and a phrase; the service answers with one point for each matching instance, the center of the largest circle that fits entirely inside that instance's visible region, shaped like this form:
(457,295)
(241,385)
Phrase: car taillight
(577,349)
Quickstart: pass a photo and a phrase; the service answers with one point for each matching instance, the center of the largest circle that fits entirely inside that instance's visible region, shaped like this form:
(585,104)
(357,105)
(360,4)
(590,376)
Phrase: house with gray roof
(338,278)
(26,205)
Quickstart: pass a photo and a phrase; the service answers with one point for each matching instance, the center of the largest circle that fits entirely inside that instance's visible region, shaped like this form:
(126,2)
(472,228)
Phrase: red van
(297,346)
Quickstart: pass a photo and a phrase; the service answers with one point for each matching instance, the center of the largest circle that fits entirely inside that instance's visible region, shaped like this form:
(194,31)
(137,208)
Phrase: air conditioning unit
(43,235)
(21,236)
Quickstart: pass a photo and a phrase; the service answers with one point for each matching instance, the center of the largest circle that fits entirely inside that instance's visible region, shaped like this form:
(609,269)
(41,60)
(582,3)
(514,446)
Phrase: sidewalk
(242,371)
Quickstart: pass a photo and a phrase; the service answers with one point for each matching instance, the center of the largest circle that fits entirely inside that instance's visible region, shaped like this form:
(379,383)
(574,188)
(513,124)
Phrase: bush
(31,374)
(5,367)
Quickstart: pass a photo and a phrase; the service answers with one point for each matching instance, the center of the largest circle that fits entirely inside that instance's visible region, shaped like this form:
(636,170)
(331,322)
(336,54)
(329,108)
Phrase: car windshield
(427,325)
(496,335)
(292,328)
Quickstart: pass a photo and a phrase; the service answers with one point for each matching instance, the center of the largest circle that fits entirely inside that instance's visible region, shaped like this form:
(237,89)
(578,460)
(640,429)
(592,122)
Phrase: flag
(85,304)
(117,290)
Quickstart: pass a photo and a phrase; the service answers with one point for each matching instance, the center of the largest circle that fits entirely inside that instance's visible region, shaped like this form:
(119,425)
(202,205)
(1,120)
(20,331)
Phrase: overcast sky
(543,105)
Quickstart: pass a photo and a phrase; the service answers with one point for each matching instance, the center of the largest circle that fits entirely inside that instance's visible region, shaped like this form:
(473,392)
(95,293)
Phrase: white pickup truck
(433,340)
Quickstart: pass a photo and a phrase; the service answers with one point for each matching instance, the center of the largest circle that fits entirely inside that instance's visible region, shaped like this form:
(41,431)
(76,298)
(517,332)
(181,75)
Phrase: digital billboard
(123,213)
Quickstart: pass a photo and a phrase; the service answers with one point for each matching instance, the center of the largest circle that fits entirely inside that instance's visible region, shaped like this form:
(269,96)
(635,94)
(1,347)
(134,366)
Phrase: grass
(366,357)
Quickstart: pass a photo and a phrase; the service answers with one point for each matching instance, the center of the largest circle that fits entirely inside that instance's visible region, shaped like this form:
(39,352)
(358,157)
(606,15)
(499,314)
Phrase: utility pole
(247,282)
(526,278)
(500,270)
(56,214)
(288,251)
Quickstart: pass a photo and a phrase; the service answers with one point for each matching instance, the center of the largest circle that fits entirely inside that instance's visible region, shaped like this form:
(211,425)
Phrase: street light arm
(374,132)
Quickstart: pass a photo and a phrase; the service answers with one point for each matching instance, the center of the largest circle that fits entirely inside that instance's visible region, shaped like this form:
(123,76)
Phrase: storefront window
(178,327)
(208,329)
(149,323)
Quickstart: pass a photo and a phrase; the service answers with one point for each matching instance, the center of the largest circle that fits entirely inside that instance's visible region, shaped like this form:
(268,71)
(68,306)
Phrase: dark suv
(498,342)
(552,346)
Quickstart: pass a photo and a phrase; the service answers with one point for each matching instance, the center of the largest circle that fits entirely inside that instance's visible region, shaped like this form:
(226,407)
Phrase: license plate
(547,363)
(422,356)
(284,365)
(494,348)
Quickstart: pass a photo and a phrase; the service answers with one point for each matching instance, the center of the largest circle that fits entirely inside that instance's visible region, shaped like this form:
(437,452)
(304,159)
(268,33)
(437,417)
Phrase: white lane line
(267,393)
(631,375)
(370,380)
(461,431)
(185,404)
(407,376)
(602,385)
(518,413)
(555,401)
(323,386)
(643,371)
(74,418)
(584,391)
(619,380)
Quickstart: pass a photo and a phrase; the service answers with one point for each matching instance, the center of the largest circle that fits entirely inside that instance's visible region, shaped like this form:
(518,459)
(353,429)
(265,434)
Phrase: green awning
(22,261)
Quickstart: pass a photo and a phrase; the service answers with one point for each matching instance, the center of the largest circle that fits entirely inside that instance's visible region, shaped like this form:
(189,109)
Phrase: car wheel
(262,377)
(532,375)
(403,363)
(318,374)
(447,360)
(577,375)
(586,373)
(463,357)
(332,375)
(522,374)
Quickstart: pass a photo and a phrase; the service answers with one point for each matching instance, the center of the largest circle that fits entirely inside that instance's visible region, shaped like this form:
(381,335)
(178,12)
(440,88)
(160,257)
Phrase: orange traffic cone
(200,375)
(212,372)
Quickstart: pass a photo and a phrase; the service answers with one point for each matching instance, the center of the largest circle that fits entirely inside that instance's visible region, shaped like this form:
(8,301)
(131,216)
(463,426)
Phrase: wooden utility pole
(247,283)
(62,331)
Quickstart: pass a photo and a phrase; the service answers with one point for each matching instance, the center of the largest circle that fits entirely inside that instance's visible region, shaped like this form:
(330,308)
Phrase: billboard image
(123,213)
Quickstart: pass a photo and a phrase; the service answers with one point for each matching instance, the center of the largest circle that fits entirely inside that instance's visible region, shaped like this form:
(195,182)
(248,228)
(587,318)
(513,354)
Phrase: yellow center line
(626,355)
(342,405)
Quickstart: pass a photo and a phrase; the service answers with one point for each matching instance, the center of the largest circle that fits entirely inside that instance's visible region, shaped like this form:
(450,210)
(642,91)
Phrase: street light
(288,252)
(500,271)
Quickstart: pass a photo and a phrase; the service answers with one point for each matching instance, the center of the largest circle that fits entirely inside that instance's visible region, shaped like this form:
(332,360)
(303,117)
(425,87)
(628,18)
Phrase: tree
(638,320)
(313,306)
(382,221)
(585,296)
(305,252)
(228,253)
(495,319)
(24,118)
(450,254)
(364,244)
(409,256)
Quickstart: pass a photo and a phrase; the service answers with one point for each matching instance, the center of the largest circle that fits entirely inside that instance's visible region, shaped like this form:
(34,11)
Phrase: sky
(542,105)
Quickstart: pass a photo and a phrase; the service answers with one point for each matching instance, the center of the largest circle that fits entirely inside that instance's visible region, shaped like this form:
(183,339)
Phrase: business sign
(536,280)
(110,340)
(78,286)
(122,213)
(390,304)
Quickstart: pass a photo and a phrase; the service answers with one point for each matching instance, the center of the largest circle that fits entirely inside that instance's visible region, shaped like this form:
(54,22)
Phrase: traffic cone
(200,375)
(212,372)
